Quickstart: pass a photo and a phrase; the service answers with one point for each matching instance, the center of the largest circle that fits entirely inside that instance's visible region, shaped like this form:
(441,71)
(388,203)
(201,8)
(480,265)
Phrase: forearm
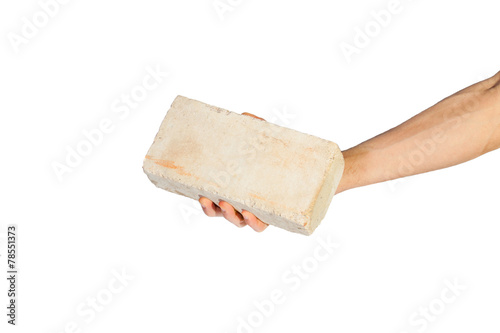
(457,129)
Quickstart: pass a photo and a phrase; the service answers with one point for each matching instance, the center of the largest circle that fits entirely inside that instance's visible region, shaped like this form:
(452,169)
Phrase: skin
(459,128)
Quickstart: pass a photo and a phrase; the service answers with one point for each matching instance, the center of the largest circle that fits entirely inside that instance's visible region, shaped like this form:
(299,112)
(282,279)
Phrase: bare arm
(455,130)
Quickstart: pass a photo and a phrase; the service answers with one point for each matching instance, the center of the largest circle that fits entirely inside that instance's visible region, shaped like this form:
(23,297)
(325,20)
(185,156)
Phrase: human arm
(455,130)
(459,128)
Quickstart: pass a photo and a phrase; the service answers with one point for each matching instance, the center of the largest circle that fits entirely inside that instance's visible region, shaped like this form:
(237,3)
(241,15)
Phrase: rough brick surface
(284,177)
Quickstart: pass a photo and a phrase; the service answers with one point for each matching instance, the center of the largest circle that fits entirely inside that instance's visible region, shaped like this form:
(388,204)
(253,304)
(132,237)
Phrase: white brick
(284,177)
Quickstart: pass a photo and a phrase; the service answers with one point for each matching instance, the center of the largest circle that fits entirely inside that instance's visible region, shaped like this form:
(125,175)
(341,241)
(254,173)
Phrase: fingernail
(245,217)
(202,206)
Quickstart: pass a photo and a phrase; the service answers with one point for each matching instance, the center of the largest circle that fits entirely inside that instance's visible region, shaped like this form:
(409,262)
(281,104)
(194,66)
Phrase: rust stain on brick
(255,196)
(170,165)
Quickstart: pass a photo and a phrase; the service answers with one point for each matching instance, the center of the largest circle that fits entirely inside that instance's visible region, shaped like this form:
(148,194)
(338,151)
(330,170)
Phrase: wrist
(354,169)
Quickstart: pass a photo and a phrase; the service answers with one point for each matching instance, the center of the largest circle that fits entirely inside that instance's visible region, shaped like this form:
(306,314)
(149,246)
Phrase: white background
(399,241)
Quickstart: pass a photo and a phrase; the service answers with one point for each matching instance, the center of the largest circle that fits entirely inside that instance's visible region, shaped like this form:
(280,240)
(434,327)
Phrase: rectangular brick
(284,177)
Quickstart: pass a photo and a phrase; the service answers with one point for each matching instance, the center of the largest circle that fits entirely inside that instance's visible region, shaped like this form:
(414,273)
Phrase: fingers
(253,221)
(252,115)
(230,214)
(228,211)
(209,208)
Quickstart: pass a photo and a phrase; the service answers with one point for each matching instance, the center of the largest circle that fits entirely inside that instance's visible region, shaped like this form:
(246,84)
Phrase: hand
(228,211)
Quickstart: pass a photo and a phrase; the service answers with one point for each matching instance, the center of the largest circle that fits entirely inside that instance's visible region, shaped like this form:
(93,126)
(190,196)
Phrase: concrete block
(284,177)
